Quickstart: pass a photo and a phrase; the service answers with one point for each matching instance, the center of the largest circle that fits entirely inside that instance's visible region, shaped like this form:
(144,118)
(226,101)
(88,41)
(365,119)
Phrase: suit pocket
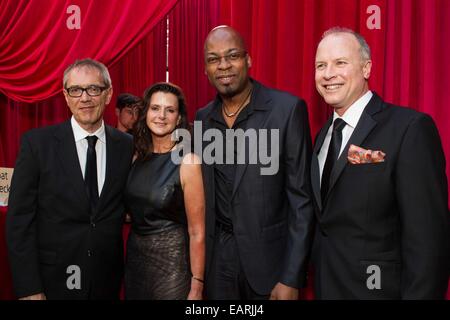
(369,167)
(47,257)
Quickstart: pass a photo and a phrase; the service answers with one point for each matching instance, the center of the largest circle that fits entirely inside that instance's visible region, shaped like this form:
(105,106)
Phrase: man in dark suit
(66,212)
(378,176)
(258,223)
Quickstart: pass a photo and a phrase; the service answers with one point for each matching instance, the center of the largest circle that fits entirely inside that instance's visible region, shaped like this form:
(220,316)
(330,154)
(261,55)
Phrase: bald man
(258,219)
(378,175)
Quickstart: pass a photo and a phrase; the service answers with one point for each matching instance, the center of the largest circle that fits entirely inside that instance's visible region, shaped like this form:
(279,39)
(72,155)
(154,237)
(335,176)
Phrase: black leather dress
(157,264)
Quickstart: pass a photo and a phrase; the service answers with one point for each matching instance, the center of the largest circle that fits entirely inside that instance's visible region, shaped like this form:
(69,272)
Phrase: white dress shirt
(351,118)
(100,148)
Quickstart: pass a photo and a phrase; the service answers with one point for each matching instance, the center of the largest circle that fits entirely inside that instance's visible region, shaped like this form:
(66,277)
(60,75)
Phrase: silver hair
(364,47)
(88,63)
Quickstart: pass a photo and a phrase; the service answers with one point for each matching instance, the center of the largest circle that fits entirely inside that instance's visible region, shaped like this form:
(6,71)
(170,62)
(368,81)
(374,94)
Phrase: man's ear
(66,96)
(367,68)
(117,112)
(109,95)
(249,61)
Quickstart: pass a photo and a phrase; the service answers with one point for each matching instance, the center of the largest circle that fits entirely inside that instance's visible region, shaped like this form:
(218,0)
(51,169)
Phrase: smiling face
(163,114)
(341,73)
(229,74)
(87,110)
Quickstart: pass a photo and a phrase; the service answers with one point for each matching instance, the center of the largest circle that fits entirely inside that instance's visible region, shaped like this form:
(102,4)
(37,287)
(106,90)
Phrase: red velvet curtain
(138,69)
(189,23)
(39,39)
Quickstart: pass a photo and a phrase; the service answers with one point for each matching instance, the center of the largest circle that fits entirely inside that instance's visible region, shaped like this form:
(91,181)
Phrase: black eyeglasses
(93,91)
(230,57)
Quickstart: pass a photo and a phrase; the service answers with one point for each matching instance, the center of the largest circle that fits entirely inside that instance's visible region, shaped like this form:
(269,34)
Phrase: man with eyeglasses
(259,227)
(127,110)
(66,212)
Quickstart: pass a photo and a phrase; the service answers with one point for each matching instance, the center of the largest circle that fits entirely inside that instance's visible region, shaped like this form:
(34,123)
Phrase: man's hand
(38,296)
(283,292)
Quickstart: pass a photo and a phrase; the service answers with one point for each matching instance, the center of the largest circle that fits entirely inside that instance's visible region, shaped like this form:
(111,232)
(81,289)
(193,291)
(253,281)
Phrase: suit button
(89,253)
(93,224)
(323,233)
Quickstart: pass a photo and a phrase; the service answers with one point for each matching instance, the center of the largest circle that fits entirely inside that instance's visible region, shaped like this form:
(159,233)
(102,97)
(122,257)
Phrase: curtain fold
(136,70)
(189,23)
(38,43)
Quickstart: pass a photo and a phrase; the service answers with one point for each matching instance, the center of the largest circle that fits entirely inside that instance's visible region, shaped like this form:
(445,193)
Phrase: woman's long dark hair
(143,143)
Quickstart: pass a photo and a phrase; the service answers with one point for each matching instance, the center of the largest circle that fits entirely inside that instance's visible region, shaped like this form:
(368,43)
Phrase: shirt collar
(354,112)
(80,134)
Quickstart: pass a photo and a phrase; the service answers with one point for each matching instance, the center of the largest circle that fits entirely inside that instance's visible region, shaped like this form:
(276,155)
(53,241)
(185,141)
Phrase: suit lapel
(365,125)
(315,170)
(261,104)
(68,157)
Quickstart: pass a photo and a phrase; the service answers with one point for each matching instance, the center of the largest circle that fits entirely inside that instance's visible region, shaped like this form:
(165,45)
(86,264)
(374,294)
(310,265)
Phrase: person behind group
(166,246)
(259,226)
(66,210)
(127,109)
(378,175)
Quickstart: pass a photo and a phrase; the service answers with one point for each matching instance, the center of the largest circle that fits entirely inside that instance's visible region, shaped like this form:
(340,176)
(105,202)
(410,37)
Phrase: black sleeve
(421,188)
(298,188)
(21,229)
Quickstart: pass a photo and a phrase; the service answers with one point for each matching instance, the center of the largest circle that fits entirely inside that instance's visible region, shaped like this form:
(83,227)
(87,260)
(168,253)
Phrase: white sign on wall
(5,183)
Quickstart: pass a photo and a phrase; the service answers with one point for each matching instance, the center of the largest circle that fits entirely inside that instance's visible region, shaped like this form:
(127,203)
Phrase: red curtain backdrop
(37,44)
(139,68)
(189,23)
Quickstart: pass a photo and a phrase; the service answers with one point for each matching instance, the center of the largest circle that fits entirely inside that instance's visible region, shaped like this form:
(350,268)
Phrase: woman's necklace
(232,114)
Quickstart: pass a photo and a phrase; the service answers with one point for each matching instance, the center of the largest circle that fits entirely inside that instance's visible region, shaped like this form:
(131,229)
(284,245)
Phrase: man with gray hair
(379,183)
(65,212)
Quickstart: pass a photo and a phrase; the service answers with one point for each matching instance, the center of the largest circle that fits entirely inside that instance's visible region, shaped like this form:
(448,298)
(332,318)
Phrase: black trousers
(226,279)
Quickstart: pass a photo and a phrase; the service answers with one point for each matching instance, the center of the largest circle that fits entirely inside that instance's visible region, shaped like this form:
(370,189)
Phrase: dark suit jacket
(49,226)
(271,214)
(392,214)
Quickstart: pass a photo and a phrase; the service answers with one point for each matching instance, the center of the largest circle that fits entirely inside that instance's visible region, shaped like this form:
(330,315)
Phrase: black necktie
(332,156)
(90,174)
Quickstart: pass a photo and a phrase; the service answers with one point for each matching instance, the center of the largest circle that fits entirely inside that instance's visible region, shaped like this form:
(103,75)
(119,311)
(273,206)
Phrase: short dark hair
(126,100)
(143,144)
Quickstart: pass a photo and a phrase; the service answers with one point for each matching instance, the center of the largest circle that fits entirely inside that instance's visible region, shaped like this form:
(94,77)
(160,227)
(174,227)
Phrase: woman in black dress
(166,245)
